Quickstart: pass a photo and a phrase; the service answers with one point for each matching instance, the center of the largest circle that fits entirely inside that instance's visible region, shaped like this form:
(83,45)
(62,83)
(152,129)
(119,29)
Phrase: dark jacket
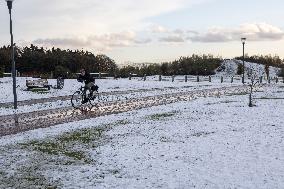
(87,78)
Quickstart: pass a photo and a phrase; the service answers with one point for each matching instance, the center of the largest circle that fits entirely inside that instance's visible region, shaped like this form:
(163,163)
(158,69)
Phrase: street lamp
(9,4)
(243,41)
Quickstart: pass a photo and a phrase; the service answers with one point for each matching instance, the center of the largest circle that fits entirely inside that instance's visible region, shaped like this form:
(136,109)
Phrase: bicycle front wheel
(76,99)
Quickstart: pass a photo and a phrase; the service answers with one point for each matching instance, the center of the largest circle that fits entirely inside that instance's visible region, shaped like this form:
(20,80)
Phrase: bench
(40,83)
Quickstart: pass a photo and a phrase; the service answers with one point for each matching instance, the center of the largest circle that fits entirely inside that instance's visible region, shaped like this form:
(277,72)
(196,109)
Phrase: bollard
(260,79)
(210,78)
(160,78)
(100,75)
(276,79)
(222,79)
(185,78)
(243,80)
(129,77)
(173,78)
(144,77)
(232,79)
(197,78)
(268,79)
(60,83)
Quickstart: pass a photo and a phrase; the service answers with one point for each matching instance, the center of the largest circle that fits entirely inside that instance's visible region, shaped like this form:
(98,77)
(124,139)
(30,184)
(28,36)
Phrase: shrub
(61,71)
(240,69)
(281,73)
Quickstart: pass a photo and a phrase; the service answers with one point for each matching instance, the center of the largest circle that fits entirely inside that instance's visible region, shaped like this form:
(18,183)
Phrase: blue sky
(146,30)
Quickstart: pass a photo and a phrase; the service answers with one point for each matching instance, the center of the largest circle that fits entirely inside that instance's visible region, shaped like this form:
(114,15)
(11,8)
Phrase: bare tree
(253,81)
(252,85)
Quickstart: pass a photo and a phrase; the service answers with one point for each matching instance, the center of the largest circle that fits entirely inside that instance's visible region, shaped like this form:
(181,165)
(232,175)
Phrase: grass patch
(221,102)
(239,94)
(35,157)
(65,144)
(26,175)
(199,134)
(269,98)
(156,117)
(40,90)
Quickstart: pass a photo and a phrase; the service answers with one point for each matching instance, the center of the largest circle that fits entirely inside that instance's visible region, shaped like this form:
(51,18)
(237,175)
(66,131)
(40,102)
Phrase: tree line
(268,60)
(37,61)
(190,65)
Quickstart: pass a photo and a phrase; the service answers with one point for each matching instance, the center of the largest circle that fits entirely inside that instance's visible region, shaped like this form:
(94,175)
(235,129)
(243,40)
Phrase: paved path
(68,97)
(13,124)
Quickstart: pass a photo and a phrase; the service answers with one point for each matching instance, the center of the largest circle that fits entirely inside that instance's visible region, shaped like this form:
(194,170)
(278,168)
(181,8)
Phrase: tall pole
(243,62)
(9,4)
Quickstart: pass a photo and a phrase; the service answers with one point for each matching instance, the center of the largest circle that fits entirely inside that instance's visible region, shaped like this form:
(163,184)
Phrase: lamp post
(243,42)
(9,4)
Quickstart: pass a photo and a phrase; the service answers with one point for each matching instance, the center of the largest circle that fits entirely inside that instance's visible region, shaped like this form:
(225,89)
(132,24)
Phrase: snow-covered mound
(230,68)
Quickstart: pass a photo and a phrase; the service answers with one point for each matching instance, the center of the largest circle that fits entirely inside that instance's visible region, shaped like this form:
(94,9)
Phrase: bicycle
(79,96)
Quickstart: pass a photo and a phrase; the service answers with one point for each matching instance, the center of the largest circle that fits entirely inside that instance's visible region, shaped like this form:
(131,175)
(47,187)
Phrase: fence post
(144,77)
(160,78)
(260,79)
(60,83)
(243,79)
(210,78)
(185,78)
(129,76)
(173,78)
(276,79)
(268,79)
(100,75)
(232,79)
(197,78)
(222,79)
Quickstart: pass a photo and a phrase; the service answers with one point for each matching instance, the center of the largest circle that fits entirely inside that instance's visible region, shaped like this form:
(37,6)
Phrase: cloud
(143,41)
(99,42)
(253,32)
(65,42)
(172,39)
(178,31)
(76,17)
(159,29)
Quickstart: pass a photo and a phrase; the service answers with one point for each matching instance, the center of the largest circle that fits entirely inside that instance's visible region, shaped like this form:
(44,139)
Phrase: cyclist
(89,83)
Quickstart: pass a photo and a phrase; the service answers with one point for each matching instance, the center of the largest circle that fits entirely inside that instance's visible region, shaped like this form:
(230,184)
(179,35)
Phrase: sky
(147,30)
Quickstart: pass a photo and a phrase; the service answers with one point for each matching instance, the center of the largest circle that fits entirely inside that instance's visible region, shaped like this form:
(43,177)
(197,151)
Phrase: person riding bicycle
(89,83)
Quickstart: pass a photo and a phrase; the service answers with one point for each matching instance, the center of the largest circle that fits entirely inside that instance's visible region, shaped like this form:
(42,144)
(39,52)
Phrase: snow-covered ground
(231,68)
(106,85)
(151,87)
(207,143)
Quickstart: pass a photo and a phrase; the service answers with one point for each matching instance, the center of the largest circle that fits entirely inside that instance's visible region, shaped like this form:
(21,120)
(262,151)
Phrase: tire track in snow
(17,123)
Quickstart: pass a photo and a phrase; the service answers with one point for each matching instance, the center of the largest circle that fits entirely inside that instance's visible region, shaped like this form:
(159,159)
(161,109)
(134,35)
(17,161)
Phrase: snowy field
(231,68)
(216,142)
(105,85)
(140,88)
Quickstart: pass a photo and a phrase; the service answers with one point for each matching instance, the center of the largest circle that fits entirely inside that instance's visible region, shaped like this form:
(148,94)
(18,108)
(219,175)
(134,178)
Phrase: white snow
(216,142)
(151,87)
(206,143)
(231,67)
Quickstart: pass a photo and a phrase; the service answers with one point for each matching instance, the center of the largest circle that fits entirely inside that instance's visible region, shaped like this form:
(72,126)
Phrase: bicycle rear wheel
(77,99)
(94,100)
